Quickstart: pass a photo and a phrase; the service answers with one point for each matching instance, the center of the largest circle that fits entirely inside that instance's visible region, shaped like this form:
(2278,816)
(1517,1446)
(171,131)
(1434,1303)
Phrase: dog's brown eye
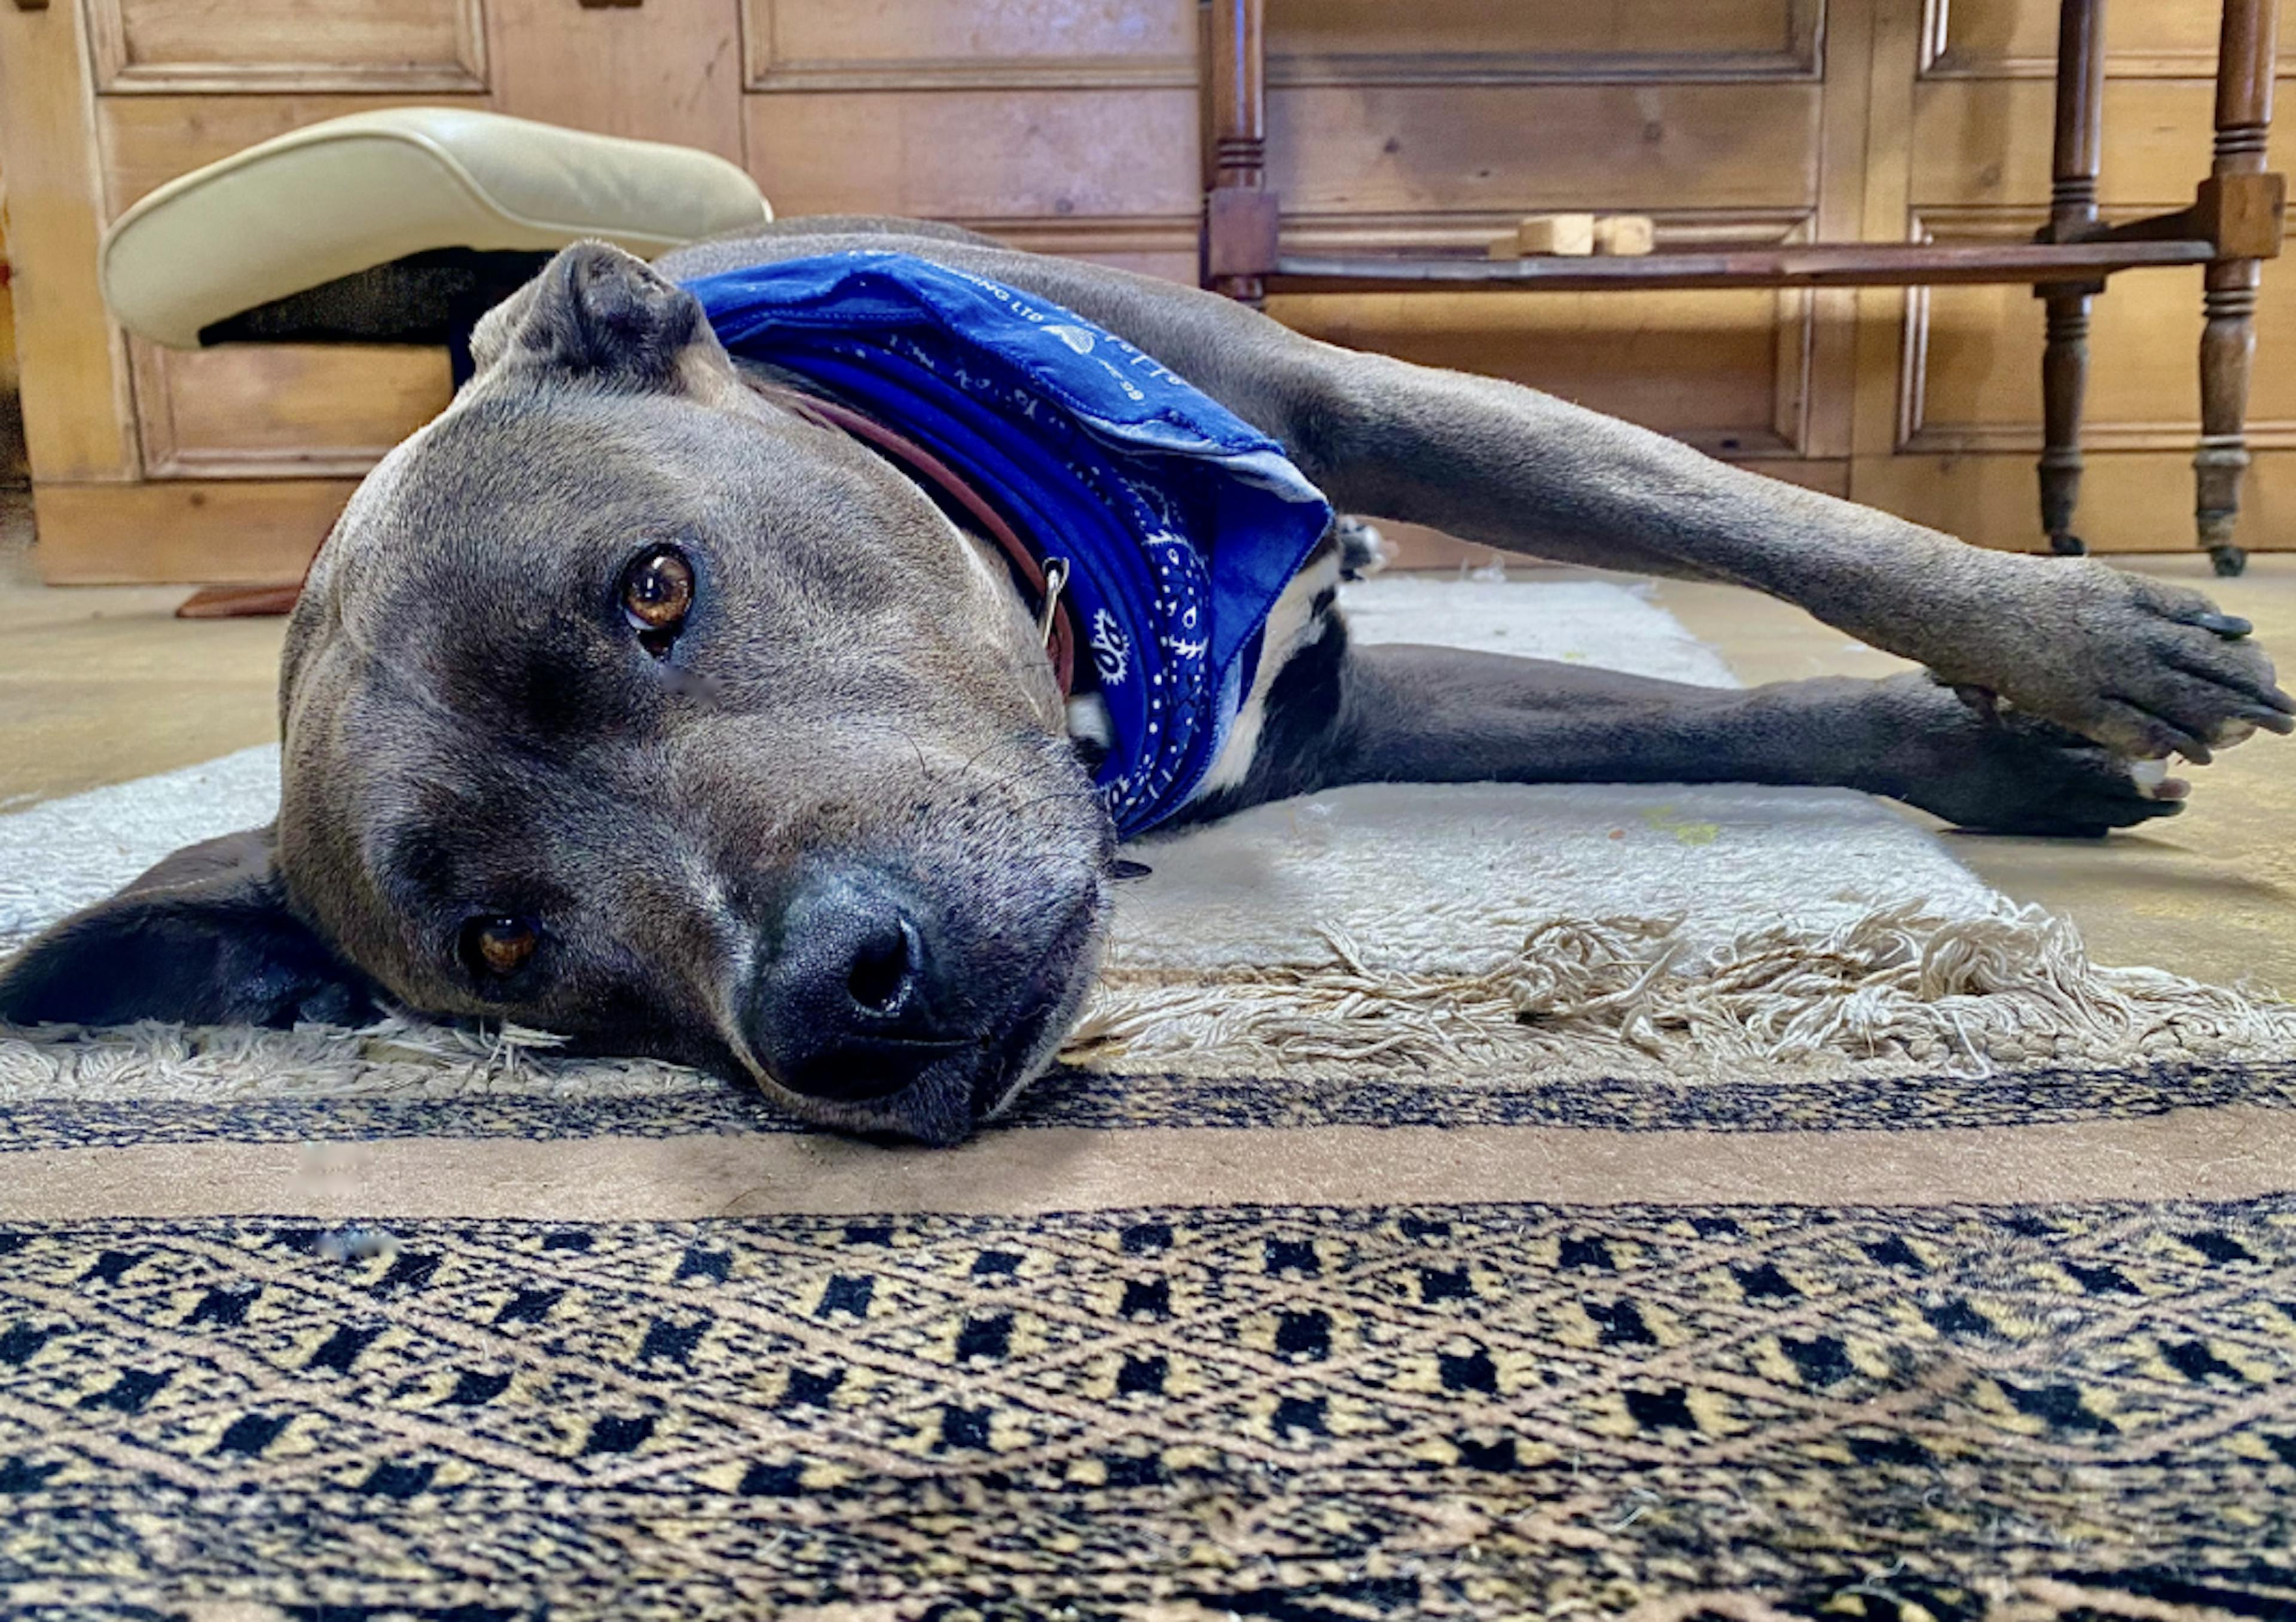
(657,591)
(497,947)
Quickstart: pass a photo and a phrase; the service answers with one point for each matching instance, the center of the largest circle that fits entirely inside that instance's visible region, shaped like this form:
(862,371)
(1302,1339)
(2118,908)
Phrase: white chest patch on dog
(1295,622)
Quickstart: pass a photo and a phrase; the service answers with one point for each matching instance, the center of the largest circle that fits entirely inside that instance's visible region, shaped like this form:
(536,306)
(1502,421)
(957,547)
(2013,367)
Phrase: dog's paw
(2012,772)
(2143,668)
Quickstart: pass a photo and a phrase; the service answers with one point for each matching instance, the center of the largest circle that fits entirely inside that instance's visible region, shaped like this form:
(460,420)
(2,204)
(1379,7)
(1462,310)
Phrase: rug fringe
(398,1058)
(1900,986)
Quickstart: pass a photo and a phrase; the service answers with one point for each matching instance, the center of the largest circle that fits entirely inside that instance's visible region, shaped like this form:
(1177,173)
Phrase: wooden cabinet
(13,469)
(1075,126)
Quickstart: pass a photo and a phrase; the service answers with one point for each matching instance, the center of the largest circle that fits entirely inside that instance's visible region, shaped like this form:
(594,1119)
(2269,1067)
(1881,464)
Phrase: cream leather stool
(399,227)
(402,226)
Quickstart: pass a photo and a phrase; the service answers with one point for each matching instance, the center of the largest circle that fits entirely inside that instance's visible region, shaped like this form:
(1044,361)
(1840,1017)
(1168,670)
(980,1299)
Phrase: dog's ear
(204,938)
(599,314)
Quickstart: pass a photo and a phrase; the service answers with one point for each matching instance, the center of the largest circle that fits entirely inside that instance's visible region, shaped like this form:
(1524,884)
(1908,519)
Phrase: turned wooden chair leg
(2245,55)
(2064,378)
(1240,213)
(2227,348)
(2072,219)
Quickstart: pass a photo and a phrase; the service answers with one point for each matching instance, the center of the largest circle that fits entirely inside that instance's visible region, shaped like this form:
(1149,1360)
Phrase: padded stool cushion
(340,197)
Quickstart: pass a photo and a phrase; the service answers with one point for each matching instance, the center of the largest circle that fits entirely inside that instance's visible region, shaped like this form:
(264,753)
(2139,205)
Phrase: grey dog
(627,703)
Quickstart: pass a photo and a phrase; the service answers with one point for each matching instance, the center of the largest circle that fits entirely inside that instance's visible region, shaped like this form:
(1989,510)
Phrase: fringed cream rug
(1476,1201)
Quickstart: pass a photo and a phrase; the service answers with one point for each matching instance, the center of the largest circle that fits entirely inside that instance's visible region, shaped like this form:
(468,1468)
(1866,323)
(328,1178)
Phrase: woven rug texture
(1493,1203)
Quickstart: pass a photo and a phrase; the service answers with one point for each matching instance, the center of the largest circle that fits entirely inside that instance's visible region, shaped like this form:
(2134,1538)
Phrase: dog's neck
(1038,580)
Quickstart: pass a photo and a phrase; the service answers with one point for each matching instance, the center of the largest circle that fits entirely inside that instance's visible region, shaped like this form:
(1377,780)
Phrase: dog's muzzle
(897,1018)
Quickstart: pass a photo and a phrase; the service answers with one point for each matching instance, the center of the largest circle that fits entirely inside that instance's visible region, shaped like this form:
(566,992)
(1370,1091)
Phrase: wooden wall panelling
(255,411)
(1702,367)
(1073,126)
(283,45)
(2018,39)
(1963,403)
(1899,37)
(148,140)
(247,411)
(1489,149)
(2131,500)
(1978,141)
(1727,371)
(1362,42)
(1831,325)
(931,44)
(1717,119)
(1164,248)
(14,468)
(664,70)
(77,406)
(1974,353)
(249,530)
(979,156)
(1062,126)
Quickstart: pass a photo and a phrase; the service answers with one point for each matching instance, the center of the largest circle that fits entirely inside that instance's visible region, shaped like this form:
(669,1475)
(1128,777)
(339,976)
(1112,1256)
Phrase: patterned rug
(1316,1305)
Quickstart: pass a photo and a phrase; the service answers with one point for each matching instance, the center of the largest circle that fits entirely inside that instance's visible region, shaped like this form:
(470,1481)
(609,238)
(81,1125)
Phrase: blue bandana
(1181,522)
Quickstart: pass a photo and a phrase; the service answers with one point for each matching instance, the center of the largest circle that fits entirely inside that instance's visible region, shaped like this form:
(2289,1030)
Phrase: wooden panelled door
(1076,126)
(1722,119)
(1949,419)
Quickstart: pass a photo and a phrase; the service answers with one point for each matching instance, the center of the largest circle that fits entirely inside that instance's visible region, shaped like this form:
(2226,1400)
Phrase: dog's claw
(2153,781)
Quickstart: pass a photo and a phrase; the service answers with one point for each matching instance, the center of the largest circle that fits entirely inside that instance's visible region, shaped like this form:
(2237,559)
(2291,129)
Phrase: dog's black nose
(851,1003)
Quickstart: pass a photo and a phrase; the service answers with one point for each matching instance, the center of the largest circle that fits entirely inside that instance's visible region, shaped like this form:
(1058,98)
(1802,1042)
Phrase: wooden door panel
(148,140)
(1979,354)
(1709,367)
(1513,149)
(1360,41)
(977,155)
(2131,500)
(1988,38)
(665,70)
(277,410)
(818,45)
(1987,140)
(288,44)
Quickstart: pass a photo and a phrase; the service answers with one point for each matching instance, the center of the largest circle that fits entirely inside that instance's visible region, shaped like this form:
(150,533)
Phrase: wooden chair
(2235,223)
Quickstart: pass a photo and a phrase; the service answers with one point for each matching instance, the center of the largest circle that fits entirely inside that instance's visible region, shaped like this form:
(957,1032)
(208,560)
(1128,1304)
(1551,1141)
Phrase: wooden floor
(99,684)
(2211,893)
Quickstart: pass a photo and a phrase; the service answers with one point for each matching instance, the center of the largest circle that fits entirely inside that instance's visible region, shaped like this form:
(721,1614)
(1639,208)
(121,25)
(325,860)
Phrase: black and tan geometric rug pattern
(381,1328)
(664,1359)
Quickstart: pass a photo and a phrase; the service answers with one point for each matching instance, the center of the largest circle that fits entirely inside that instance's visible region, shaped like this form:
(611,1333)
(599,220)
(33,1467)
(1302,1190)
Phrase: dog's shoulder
(813,233)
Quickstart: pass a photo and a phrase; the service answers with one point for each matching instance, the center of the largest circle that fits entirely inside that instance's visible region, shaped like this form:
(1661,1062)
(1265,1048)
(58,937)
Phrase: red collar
(1060,627)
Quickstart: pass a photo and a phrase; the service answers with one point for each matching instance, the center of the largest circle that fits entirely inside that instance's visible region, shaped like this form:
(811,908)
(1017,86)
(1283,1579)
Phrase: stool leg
(2072,218)
(2245,50)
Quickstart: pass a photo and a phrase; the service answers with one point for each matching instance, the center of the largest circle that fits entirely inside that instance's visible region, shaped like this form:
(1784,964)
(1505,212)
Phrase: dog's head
(623,704)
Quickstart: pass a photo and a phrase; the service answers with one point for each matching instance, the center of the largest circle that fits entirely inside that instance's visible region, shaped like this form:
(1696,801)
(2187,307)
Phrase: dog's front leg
(1403,713)
(2142,667)
(2145,668)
